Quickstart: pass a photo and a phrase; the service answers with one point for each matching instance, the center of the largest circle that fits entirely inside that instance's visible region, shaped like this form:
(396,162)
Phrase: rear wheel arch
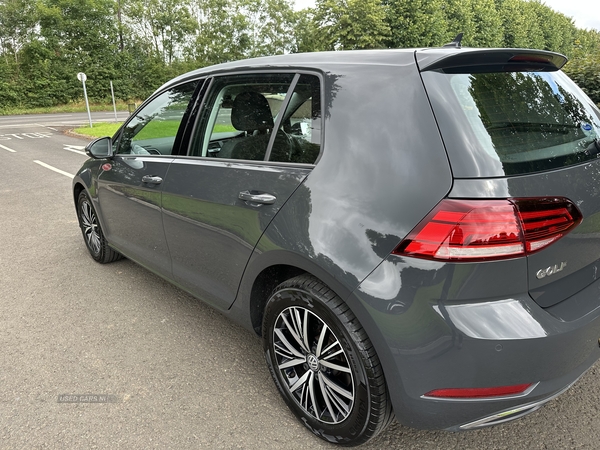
(272,276)
(266,271)
(263,286)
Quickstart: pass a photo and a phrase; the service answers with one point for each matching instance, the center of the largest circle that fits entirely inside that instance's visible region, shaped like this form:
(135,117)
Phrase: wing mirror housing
(100,148)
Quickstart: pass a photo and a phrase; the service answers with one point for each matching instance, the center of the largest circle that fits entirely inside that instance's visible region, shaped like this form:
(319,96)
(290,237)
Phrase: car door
(129,187)
(252,147)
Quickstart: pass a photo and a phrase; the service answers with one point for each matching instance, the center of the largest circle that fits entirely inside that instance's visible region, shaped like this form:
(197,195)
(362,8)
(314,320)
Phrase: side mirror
(100,148)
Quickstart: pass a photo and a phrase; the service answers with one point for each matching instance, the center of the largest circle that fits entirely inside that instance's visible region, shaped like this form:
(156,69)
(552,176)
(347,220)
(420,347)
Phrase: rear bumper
(507,415)
(428,338)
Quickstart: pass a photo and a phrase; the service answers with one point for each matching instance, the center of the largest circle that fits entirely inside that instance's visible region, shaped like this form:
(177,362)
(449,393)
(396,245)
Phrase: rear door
(130,186)
(255,141)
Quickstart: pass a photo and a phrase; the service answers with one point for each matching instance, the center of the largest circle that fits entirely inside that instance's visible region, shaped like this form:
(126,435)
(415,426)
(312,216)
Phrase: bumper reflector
(466,393)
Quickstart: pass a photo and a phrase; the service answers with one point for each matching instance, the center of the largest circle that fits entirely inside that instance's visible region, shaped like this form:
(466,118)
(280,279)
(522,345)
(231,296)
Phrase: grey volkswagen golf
(413,233)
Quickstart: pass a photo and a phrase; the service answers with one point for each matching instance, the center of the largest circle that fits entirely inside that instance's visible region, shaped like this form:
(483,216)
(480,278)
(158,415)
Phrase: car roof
(314,60)
(426,57)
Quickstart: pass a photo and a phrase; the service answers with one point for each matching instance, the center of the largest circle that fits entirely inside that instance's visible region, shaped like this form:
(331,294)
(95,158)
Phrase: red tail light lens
(484,230)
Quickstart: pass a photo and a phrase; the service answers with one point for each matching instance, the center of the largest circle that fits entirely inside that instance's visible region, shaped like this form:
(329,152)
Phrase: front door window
(153,129)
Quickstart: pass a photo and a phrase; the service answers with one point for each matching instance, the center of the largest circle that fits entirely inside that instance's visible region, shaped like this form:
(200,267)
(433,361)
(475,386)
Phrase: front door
(130,187)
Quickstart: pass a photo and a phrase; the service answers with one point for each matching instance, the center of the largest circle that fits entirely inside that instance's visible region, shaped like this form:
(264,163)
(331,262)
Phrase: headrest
(250,111)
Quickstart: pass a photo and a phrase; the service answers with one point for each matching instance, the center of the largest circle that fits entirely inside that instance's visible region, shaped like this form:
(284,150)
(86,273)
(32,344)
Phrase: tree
(558,30)
(520,24)
(139,44)
(415,23)
(487,25)
(165,23)
(269,25)
(18,19)
(459,19)
(306,31)
(351,24)
(584,67)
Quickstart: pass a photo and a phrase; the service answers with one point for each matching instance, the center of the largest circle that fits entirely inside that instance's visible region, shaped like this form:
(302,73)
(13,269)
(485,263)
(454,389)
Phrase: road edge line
(8,149)
(48,166)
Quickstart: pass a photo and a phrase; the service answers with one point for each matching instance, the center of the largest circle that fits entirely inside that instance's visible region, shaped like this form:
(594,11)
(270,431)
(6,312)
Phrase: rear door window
(301,122)
(261,117)
(513,123)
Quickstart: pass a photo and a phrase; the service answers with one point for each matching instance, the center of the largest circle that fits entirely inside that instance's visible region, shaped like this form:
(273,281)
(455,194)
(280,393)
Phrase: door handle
(150,179)
(265,199)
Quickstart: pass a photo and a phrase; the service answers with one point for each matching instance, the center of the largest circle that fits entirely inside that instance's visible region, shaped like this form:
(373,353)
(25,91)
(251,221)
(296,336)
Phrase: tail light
(485,230)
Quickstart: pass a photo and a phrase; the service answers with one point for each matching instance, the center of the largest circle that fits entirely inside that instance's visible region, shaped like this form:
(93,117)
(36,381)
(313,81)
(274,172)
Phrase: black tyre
(92,232)
(323,363)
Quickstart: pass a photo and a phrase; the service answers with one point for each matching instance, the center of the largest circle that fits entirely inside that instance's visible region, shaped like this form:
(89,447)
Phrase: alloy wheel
(314,364)
(89,224)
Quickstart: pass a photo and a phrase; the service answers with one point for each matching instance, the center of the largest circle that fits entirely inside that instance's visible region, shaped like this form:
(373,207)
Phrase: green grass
(158,129)
(100,129)
(220,128)
(68,108)
(155,129)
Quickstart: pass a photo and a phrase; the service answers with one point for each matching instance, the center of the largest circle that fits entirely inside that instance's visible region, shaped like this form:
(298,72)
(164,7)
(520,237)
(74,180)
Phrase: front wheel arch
(77,189)
(91,229)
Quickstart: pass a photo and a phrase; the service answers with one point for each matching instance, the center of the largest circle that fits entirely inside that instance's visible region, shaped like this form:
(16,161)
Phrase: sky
(585,13)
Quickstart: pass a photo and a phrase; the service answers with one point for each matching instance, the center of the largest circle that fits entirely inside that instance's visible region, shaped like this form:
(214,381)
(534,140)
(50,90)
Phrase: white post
(82,77)
(112,92)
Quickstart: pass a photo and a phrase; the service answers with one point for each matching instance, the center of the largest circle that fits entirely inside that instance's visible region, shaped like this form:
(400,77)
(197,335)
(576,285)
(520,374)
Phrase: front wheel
(323,363)
(92,232)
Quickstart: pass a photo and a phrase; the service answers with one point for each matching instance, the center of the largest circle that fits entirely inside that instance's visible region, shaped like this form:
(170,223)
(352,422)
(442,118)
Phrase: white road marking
(18,125)
(47,166)
(36,125)
(8,149)
(74,149)
(21,136)
(44,126)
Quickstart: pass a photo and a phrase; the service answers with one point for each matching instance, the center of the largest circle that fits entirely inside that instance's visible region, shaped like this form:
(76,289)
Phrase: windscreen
(513,123)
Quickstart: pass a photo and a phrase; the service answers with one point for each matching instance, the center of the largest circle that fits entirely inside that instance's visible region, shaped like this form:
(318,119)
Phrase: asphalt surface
(180,374)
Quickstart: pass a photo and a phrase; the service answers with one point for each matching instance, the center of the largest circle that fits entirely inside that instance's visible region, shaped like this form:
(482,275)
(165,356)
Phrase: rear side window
(261,117)
(513,123)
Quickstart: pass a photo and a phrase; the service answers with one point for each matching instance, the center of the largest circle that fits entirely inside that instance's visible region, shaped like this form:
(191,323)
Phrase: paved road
(183,376)
(33,121)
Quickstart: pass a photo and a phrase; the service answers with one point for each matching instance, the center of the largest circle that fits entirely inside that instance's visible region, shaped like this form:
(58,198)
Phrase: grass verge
(99,129)
(68,108)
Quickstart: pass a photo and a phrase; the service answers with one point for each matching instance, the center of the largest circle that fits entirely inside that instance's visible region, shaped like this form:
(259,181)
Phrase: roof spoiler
(491,60)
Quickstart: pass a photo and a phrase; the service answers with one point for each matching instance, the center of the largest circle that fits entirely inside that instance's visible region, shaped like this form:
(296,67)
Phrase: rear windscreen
(513,123)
